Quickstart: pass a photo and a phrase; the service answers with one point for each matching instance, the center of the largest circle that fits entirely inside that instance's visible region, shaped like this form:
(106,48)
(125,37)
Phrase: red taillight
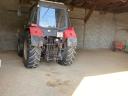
(36,31)
(70,33)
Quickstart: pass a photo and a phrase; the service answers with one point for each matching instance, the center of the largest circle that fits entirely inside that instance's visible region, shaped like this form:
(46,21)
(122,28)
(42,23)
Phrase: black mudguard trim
(36,41)
(72,42)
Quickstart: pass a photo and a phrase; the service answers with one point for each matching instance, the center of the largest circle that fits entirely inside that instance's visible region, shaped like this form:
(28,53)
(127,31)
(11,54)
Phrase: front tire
(32,55)
(68,56)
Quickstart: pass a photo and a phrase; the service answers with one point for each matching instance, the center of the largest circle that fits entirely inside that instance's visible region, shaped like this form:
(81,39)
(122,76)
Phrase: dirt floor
(51,79)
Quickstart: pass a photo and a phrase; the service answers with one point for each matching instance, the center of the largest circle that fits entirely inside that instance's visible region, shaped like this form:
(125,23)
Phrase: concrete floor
(53,79)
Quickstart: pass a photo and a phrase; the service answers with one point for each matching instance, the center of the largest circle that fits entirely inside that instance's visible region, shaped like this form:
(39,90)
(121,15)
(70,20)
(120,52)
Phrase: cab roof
(52,4)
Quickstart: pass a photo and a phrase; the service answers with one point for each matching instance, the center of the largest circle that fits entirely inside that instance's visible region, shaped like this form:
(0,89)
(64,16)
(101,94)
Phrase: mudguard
(71,37)
(36,36)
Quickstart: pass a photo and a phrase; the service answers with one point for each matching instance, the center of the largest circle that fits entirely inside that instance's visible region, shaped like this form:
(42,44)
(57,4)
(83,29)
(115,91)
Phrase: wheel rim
(25,50)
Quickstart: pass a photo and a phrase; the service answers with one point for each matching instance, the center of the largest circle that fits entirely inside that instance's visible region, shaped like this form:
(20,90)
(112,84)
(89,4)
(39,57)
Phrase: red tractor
(48,35)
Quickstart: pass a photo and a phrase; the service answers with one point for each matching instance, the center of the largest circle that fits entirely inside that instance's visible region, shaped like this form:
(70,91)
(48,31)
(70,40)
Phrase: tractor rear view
(47,35)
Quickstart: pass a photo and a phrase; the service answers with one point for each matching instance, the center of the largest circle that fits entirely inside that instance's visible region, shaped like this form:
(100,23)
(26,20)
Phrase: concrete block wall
(100,30)
(122,27)
(10,23)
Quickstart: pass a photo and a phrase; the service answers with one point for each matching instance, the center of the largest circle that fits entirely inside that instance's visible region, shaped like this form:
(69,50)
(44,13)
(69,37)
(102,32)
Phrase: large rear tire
(19,49)
(68,56)
(32,55)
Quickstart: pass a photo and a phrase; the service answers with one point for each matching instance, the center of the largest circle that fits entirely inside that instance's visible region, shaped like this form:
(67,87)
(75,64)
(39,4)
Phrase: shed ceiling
(116,6)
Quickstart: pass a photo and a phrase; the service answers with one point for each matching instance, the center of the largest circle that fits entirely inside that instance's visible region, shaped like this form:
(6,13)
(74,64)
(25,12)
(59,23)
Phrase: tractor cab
(51,17)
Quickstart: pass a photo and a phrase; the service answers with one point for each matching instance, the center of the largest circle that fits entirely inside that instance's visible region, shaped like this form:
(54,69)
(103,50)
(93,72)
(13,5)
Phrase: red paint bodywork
(70,33)
(36,31)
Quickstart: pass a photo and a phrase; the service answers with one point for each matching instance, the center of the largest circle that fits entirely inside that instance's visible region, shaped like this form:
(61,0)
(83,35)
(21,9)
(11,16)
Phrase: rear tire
(32,56)
(19,50)
(68,56)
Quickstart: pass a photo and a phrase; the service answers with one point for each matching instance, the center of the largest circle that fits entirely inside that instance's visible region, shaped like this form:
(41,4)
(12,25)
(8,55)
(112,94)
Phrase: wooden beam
(68,1)
(89,13)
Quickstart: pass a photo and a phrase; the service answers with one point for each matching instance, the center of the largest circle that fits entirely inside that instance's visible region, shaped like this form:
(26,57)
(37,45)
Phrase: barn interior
(98,23)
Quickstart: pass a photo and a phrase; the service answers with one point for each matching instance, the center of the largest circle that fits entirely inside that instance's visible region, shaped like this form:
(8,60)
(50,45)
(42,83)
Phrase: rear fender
(71,37)
(36,36)
(72,42)
(36,41)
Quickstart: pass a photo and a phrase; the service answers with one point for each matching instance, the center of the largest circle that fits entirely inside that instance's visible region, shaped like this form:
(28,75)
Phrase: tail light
(36,30)
(70,33)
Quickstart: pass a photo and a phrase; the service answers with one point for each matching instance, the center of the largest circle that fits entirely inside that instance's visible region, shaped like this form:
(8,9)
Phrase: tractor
(47,35)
